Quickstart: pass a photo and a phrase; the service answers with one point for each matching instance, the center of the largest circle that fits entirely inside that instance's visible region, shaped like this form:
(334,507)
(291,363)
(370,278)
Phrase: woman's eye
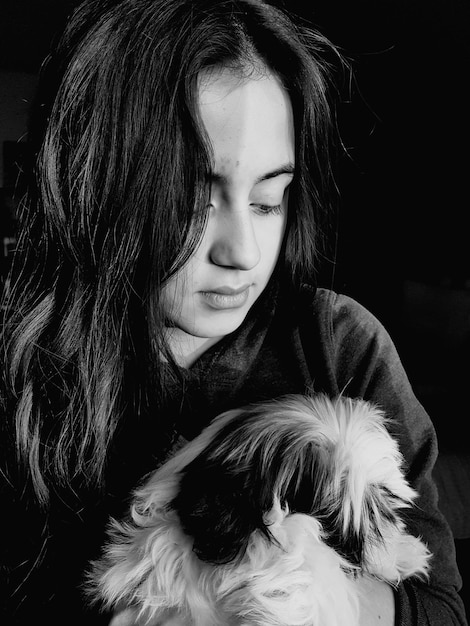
(267,209)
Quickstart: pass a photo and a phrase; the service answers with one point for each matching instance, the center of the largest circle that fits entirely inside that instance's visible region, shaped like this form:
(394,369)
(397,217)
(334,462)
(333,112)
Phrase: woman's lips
(226,297)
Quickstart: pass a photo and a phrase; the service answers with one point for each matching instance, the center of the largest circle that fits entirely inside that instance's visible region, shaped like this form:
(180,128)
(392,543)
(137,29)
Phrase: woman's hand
(376,602)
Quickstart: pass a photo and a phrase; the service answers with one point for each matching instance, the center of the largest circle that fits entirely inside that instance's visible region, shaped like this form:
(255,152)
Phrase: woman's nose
(234,242)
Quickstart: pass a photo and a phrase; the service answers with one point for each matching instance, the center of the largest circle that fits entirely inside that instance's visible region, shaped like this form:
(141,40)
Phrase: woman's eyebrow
(288,168)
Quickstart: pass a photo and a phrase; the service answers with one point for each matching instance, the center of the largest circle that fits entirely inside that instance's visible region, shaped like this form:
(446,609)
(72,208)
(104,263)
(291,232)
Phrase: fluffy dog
(265,519)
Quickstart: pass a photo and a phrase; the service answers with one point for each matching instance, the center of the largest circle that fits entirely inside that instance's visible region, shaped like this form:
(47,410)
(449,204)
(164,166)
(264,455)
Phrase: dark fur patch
(217,509)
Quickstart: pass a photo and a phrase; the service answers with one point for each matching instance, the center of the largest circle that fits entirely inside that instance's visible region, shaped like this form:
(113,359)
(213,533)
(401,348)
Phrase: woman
(165,272)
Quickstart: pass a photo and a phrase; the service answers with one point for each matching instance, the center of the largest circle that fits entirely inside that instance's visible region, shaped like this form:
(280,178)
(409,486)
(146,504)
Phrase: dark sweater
(311,340)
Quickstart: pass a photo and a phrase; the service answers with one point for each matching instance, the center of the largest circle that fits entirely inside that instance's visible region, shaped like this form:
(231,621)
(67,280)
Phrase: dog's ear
(316,489)
(367,491)
(218,508)
(380,519)
(347,533)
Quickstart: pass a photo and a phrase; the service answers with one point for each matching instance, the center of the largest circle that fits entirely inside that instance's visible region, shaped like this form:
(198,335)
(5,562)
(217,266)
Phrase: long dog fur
(266,518)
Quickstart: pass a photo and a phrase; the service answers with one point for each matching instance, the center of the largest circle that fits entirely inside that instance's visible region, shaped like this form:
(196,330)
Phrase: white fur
(293,578)
(295,583)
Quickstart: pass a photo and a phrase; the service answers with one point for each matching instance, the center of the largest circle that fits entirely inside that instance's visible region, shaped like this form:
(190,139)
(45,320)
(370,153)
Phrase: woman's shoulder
(352,344)
(337,312)
(346,332)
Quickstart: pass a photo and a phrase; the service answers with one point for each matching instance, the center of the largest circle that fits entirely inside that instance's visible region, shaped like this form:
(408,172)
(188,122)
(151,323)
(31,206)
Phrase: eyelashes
(259,209)
(266,209)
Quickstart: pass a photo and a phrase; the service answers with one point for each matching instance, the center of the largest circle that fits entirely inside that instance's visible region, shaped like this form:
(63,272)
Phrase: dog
(266,519)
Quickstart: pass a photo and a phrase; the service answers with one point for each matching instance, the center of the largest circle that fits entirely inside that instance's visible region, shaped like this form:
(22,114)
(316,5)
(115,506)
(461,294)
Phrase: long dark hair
(117,175)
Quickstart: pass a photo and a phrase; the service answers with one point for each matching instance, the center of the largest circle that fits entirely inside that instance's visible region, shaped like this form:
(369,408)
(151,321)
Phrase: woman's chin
(189,341)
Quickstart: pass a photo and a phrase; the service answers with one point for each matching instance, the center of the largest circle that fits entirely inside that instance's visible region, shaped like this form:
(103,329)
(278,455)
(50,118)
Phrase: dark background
(403,246)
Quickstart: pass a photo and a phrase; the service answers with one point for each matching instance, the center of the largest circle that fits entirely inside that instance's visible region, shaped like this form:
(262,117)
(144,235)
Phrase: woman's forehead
(249,122)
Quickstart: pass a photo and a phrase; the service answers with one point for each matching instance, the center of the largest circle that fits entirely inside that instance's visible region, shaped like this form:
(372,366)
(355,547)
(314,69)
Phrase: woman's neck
(186,349)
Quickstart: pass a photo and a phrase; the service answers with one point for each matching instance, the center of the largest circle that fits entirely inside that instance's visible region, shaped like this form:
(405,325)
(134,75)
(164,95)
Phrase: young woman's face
(250,126)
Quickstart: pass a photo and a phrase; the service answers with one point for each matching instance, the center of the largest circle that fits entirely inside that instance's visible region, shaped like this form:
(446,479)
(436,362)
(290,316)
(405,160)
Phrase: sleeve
(365,363)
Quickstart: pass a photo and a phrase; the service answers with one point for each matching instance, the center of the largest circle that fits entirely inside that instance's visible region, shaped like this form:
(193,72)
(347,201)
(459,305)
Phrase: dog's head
(333,460)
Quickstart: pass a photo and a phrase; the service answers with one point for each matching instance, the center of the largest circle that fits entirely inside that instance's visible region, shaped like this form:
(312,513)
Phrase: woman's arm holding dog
(376,602)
